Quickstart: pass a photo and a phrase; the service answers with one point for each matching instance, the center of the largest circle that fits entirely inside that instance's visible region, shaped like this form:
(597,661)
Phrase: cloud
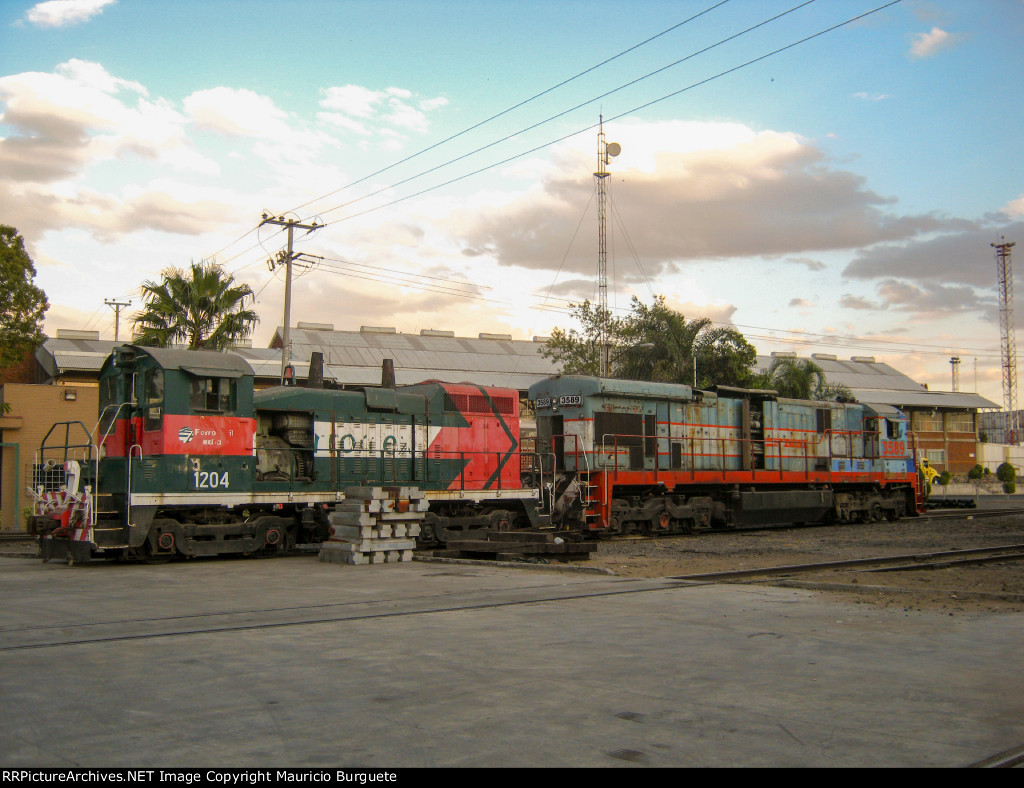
(59,13)
(359,109)
(67,123)
(810,263)
(231,112)
(872,96)
(695,191)
(964,257)
(1015,207)
(857,302)
(81,115)
(931,43)
(934,299)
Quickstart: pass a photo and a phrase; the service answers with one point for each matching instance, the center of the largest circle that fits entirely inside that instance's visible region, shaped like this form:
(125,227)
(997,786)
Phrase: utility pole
(117,312)
(291,224)
(605,150)
(1004,272)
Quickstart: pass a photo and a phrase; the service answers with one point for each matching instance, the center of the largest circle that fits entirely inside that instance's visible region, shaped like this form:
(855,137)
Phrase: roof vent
(863,359)
(503,337)
(74,333)
(824,356)
(434,332)
(784,354)
(377,330)
(315,326)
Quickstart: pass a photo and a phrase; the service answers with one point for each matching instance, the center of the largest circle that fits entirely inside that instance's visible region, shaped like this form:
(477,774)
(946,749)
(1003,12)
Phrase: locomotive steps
(375,525)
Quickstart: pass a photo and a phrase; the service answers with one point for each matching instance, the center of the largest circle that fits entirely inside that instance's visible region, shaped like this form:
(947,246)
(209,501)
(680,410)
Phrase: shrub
(1009,487)
(976,472)
(1006,473)
(945,478)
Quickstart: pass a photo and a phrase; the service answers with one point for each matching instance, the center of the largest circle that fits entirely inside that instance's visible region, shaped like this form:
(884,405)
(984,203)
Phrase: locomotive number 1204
(210,480)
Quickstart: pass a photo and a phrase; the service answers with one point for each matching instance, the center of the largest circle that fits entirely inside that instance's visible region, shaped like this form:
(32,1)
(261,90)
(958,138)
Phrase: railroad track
(893,563)
(16,536)
(952,514)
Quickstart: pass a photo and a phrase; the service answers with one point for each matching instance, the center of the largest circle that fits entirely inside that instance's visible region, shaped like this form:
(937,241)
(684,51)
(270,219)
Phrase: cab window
(153,399)
(213,394)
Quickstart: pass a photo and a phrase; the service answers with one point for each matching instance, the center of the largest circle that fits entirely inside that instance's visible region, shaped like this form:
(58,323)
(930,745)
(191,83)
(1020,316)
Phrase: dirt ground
(991,587)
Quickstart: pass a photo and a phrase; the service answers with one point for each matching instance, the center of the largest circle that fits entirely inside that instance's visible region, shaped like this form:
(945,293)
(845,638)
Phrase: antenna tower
(1004,270)
(605,150)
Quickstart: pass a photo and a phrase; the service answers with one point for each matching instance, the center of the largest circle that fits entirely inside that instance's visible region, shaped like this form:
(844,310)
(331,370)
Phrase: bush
(1006,473)
(945,478)
(1009,488)
(976,472)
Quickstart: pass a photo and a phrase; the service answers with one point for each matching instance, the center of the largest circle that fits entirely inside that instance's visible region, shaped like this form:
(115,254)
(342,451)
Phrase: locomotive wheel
(500,520)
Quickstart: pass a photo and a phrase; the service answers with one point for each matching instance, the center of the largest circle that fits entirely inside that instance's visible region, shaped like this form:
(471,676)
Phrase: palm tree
(202,307)
(660,344)
(802,379)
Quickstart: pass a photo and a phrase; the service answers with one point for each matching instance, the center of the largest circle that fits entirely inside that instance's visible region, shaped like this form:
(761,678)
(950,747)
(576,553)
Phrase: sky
(826,177)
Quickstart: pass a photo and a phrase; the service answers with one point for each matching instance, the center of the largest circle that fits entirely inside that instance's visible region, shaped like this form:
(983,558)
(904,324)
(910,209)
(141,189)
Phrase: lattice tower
(1004,271)
(602,246)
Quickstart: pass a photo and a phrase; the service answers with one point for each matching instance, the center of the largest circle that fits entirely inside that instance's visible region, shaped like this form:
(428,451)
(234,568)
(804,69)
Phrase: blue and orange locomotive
(626,456)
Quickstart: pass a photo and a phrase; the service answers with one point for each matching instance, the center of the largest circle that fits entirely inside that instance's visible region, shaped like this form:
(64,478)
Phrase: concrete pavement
(293,662)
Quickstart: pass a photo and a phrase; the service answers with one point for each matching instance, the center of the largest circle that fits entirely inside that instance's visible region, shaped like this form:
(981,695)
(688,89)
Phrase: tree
(202,307)
(801,378)
(654,343)
(22,303)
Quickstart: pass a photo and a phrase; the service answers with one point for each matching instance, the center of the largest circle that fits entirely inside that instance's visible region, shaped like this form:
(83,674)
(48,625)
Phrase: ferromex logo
(185,434)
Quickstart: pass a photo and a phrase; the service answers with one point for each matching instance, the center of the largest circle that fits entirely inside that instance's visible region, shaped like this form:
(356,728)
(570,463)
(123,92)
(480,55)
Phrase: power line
(479,124)
(547,120)
(515,106)
(591,127)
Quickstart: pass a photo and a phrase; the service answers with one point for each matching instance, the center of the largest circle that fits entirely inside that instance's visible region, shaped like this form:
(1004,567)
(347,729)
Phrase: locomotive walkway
(293,662)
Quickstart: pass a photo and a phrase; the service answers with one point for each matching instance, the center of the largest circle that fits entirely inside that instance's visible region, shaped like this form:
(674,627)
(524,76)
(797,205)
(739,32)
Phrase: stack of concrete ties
(375,525)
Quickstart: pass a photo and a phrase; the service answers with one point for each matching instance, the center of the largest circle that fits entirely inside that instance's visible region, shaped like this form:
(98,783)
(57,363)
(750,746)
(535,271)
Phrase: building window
(935,456)
(927,421)
(960,422)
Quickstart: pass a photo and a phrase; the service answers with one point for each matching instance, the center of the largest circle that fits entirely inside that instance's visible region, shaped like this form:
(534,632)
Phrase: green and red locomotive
(188,458)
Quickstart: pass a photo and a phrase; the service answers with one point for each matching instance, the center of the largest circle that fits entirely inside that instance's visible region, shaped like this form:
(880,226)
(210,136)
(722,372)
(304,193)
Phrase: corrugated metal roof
(355,357)
(515,363)
(924,399)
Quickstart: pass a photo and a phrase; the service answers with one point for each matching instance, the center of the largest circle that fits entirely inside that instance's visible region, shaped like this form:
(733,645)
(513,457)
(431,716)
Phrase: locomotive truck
(189,459)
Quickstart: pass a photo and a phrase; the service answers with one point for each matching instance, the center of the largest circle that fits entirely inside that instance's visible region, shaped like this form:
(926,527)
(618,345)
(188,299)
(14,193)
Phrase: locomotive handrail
(103,440)
(128,497)
(40,454)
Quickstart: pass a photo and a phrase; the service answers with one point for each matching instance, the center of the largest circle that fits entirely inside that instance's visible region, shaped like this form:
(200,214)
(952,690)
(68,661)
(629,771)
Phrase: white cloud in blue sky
(60,13)
(933,42)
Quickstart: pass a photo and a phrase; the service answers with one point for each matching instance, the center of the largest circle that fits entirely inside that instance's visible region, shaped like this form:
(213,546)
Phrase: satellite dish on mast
(613,149)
